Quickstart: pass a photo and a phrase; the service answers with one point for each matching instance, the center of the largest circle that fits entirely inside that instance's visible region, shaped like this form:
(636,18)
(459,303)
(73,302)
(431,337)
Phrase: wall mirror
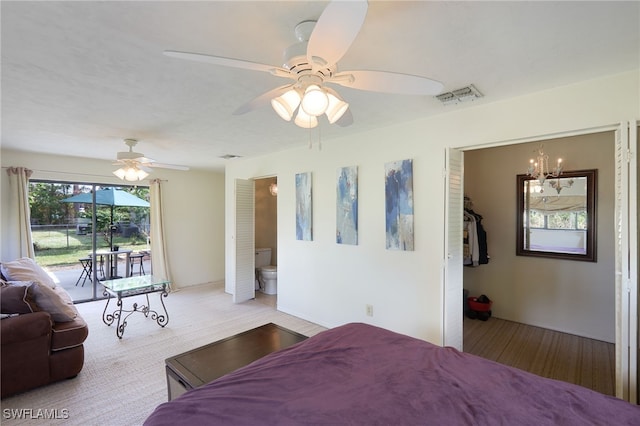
(557,216)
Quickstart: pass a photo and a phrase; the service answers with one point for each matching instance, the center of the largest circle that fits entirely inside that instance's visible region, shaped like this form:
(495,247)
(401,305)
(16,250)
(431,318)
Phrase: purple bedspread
(358,374)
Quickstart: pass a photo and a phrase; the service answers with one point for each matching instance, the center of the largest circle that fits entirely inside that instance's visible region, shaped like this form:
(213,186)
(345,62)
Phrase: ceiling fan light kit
(305,120)
(131,173)
(315,100)
(285,105)
(312,62)
(336,109)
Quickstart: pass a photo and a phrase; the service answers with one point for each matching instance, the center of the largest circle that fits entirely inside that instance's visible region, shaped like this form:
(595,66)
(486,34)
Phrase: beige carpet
(124,380)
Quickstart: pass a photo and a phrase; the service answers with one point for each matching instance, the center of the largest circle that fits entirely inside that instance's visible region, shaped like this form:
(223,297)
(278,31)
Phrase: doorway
(535,290)
(549,293)
(625,167)
(266,231)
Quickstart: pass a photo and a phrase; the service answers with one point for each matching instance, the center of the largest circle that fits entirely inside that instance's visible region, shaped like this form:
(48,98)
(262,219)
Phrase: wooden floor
(585,362)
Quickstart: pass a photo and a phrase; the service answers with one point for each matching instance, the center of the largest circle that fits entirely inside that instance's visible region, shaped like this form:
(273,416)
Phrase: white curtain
(159,260)
(20,212)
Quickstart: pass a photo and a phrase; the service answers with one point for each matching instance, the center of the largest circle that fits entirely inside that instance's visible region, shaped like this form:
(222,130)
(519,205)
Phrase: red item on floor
(478,306)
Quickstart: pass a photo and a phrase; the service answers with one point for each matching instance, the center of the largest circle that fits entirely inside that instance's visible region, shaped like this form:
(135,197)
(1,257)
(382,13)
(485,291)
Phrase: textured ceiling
(79,77)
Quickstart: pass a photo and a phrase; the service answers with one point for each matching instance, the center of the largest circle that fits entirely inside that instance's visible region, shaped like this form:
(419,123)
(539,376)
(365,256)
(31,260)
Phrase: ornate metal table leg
(162,320)
(107,318)
(122,322)
(146,311)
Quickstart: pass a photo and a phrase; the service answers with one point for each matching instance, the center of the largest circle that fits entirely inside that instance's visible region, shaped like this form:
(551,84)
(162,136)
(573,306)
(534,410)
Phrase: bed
(362,374)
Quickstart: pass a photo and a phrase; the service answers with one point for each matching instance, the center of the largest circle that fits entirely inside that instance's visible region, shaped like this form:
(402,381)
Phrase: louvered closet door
(453,278)
(626,231)
(245,239)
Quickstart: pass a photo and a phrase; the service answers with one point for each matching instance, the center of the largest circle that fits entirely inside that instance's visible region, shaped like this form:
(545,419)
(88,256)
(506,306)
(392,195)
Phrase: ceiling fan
(135,166)
(312,63)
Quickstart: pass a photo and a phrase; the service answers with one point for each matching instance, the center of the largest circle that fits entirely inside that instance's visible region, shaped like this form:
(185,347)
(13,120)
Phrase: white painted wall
(330,284)
(193,208)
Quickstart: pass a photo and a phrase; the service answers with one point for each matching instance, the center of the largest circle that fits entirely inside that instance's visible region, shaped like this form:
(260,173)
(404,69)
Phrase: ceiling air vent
(230,156)
(464,94)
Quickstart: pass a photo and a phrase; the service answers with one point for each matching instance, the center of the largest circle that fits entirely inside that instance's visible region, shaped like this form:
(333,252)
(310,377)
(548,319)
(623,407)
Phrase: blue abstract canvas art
(347,206)
(399,205)
(303,207)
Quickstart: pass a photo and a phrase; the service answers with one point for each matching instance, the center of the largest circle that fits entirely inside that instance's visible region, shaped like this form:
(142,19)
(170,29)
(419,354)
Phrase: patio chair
(99,265)
(87,269)
(132,261)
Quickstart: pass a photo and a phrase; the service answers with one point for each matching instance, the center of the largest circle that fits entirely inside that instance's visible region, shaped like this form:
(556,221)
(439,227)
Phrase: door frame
(626,360)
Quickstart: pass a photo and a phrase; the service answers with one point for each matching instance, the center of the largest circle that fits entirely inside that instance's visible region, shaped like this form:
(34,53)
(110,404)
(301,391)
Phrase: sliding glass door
(84,233)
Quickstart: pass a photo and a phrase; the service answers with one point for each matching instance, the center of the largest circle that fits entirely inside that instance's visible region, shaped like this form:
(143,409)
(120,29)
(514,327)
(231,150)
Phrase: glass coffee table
(134,286)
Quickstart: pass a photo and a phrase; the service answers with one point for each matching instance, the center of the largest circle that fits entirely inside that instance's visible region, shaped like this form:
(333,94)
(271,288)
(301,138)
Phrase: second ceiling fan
(135,166)
(312,62)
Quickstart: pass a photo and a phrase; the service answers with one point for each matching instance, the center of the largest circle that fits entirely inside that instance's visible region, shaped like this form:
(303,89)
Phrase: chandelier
(539,167)
(558,185)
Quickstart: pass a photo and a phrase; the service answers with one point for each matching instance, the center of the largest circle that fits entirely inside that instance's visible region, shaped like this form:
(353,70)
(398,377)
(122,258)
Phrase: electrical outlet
(369,310)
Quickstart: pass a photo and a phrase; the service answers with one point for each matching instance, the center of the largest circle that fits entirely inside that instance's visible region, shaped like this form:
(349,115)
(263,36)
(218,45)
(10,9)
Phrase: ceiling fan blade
(335,30)
(228,62)
(166,166)
(144,160)
(388,82)
(262,100)
(128,155)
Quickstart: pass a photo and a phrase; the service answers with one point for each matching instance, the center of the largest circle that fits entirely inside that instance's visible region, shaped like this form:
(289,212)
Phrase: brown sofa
(42,342)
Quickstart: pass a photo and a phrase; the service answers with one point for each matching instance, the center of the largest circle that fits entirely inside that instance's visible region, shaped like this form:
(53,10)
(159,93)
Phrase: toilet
(266,274)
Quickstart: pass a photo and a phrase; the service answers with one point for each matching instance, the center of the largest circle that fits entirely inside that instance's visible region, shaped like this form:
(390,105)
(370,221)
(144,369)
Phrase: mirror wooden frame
(591,198)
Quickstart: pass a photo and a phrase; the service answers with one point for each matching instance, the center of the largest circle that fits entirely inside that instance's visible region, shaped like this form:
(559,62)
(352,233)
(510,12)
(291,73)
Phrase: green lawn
(63,248)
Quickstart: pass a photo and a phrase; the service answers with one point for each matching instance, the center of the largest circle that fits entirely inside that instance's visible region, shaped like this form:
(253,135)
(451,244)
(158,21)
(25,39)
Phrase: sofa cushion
(22,328)
(57,303)
(26,269)
(69,334)
(17,299)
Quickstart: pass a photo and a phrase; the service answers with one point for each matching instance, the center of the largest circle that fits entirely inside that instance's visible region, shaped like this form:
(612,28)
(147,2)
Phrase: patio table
(111,257)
